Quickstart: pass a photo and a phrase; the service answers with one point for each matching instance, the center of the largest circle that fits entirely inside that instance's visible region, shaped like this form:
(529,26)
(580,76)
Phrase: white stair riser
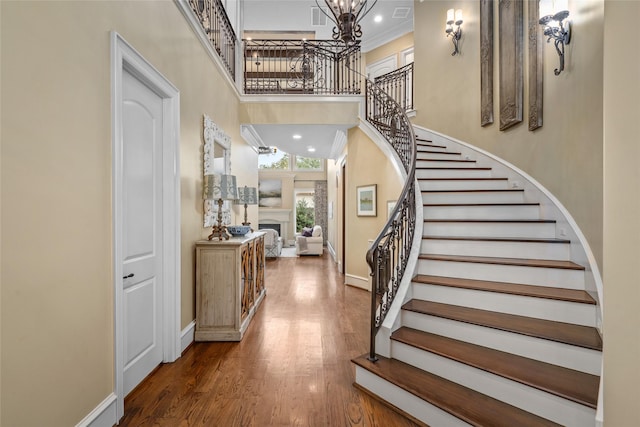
(406,401)
(443,164)
(541,276)
(535,250)
(527,398)
(496,229)
(540,308)
(464,184)
(439,156)
(453,173)
(452,197)
(568,356)
(482,212)
(423,148)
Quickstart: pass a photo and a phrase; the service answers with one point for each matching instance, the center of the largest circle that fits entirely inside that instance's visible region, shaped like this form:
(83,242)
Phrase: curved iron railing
(389,253)
(216,24)
(399,85)
(305,67)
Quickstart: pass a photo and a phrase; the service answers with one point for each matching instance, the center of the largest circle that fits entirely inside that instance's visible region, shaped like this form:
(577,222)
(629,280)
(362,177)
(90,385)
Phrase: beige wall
(338,113)
(366,165)
(621,214)
(394,47)
(565,155)
(57,291)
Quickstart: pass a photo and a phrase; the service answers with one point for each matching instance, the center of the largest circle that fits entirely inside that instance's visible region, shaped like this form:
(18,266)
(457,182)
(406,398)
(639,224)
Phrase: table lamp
(247,196)
(220,188)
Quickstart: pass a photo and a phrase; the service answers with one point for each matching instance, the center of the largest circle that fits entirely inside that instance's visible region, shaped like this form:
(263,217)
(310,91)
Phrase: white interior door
(142,290)
(383,66)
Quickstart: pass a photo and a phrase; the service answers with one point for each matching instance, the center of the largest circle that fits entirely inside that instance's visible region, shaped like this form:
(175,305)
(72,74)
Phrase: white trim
(332,252)
(123,56)
(187,336)
(358,282)
(103,415)
(404,53)
(257,99)
(251,136)
(339,142)
(383,37)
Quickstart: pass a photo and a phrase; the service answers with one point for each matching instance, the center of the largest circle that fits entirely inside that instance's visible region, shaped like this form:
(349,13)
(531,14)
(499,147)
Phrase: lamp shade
(247,196)
(218,186)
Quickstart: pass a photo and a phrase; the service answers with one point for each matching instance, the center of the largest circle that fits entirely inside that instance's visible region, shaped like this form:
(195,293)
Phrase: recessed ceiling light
(311,150)
(297,136)
(378,18)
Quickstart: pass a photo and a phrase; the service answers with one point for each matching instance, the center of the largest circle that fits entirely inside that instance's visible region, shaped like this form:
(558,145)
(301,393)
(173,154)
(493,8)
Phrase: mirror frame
(213,134)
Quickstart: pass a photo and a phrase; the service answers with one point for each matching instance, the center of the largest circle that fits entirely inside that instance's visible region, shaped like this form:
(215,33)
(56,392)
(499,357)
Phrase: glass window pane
(308,163)
(277,160)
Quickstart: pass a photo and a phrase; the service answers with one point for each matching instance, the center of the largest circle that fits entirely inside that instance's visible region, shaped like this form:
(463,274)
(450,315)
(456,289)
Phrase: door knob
(126,277)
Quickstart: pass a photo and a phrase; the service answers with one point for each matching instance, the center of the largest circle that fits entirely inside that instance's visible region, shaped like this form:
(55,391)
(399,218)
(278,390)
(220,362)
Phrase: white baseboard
(187,336)
(104,415)
(358,282)
(332,252)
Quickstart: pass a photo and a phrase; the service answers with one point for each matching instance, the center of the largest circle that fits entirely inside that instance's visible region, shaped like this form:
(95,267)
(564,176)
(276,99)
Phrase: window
(305,212)
(308,164)
(278,160)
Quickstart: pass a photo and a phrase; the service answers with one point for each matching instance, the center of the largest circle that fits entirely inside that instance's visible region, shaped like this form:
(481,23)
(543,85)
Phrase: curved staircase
(498,328)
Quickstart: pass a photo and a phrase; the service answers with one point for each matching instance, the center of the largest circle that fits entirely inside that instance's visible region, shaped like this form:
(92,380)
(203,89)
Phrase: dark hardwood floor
(291,369)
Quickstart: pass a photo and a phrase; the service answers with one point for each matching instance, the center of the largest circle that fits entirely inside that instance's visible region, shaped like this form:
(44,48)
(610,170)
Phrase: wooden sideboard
(229,286)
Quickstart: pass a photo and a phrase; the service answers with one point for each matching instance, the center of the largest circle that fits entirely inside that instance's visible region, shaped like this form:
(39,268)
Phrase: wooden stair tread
(523,262)
(570,295)
(578,335)
(490,221)
(499,239)
(418,145)
(570,384)
(469,405)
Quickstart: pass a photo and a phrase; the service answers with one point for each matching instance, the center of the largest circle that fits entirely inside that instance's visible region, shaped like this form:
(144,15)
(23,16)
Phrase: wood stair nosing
(522,262)
(560,294)
(464,403)
(567,383)
(566,333)
(500,239)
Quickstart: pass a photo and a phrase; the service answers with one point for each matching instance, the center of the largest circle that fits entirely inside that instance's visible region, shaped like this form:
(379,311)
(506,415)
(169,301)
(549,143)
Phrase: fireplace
(270,226)
(277,219)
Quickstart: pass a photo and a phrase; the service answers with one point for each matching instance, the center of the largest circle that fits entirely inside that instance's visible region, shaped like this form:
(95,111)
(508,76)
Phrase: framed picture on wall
(367,200)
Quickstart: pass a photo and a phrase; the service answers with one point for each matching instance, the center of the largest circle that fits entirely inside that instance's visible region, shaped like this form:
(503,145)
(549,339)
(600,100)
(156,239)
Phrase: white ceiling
(320,137)
(295,15)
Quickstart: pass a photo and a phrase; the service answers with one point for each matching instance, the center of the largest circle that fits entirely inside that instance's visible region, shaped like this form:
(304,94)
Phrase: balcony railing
(216,24)
(398,84)
(389,253)
(313,67)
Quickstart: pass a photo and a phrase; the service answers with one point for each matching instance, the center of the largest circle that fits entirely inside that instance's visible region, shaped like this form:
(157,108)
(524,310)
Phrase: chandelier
(347,16)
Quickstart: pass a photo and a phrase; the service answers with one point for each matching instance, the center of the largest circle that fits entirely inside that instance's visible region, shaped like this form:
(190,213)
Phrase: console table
(229,286)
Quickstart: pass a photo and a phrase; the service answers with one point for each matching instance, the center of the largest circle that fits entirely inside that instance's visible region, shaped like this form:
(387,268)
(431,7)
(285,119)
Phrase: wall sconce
(454,19)
(556,28)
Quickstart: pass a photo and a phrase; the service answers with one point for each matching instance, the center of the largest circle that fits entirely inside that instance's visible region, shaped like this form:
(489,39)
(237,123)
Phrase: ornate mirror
(217,159)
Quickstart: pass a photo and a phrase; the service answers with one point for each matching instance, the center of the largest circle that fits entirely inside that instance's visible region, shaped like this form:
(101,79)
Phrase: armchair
(272,243)
(310,245)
